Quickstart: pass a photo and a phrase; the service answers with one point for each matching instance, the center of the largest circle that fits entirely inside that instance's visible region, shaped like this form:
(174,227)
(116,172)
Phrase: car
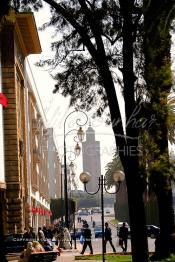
(78,233)
(98,231)
(107,211)
(152,231)
(14,243)
(83,213)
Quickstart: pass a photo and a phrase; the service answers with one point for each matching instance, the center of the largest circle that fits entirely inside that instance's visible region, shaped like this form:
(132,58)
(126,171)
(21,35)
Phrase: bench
(47,256)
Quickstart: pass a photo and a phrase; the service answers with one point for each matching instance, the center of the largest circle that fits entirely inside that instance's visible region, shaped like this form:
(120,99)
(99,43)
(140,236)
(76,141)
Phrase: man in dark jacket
(87,239)
(108,237)
(123,237)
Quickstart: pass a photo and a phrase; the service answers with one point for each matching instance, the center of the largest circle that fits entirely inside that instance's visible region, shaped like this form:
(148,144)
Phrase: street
(97,242)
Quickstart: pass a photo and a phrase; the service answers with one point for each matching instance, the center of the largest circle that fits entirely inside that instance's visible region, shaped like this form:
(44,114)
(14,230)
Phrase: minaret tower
(91,158)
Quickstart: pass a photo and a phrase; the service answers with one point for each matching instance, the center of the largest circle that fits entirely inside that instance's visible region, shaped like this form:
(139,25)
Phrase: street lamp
(71,167)
(72,181)
(80,135)
(118,177)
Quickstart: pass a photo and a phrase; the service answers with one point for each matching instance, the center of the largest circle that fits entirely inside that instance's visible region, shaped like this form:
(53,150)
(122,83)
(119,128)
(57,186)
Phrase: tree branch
(85,38)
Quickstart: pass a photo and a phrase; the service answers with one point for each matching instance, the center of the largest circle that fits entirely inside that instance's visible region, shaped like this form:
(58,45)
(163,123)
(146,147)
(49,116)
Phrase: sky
(56,107)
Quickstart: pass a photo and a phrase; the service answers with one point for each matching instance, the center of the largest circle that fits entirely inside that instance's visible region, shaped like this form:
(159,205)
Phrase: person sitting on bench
(24,257)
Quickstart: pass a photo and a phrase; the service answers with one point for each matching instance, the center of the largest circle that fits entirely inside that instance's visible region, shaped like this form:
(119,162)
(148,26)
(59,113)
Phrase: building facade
(55,174)
(27,199)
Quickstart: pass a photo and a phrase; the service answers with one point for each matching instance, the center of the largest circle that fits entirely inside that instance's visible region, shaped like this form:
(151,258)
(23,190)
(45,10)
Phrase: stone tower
(91,158)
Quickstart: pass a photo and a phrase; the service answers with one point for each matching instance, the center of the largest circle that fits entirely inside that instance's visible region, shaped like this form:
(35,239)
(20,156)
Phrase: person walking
(108,237)
(123,237)
(87,239)
(67,239)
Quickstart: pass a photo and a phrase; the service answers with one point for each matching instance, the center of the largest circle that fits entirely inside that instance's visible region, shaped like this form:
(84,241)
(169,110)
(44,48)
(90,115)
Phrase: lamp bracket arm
(116,191)
(91,193)
(69,157)
(75,130)
(78,121)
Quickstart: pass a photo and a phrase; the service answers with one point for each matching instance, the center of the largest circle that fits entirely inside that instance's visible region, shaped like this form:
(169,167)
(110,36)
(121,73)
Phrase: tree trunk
(130,160)
(136,209)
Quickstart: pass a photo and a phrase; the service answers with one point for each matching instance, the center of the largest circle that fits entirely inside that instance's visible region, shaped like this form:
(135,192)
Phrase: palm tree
(111,167)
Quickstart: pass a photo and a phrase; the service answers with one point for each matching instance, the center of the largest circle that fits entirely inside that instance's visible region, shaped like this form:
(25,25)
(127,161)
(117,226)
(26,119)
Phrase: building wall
(38,139)
(54,167)
(13,134)
(26,143)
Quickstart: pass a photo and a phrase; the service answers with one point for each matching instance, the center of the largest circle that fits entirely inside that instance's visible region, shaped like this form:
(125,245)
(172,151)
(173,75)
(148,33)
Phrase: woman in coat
(67,239)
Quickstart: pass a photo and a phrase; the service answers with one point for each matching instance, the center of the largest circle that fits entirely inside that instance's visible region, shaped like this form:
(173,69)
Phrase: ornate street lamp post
(80,135)
(72,182)
(118,177)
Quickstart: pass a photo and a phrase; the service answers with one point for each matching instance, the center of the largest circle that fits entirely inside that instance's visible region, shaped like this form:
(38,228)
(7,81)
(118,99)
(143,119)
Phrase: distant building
(54,167)
(91,158)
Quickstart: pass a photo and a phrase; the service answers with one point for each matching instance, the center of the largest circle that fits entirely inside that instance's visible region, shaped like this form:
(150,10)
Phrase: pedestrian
(59,237)
(41,235)
(24,257)
(123,237)
(87,239)
(32,234)
(26,235)
(47,246)
(45,231)
(108,237)
(38,247)
(67,239)
(50,233)
(93,224)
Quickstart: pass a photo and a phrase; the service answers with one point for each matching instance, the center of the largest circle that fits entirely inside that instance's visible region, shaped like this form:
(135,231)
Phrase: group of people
(123,237)
(40,241)
(42,234)
(63,239)
(34,247)
(86,236)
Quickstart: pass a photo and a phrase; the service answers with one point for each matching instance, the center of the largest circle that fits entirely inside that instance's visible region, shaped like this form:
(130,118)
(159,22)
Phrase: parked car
(98,231)
(14,243)
(152,231)
(83,213)
(78,232)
